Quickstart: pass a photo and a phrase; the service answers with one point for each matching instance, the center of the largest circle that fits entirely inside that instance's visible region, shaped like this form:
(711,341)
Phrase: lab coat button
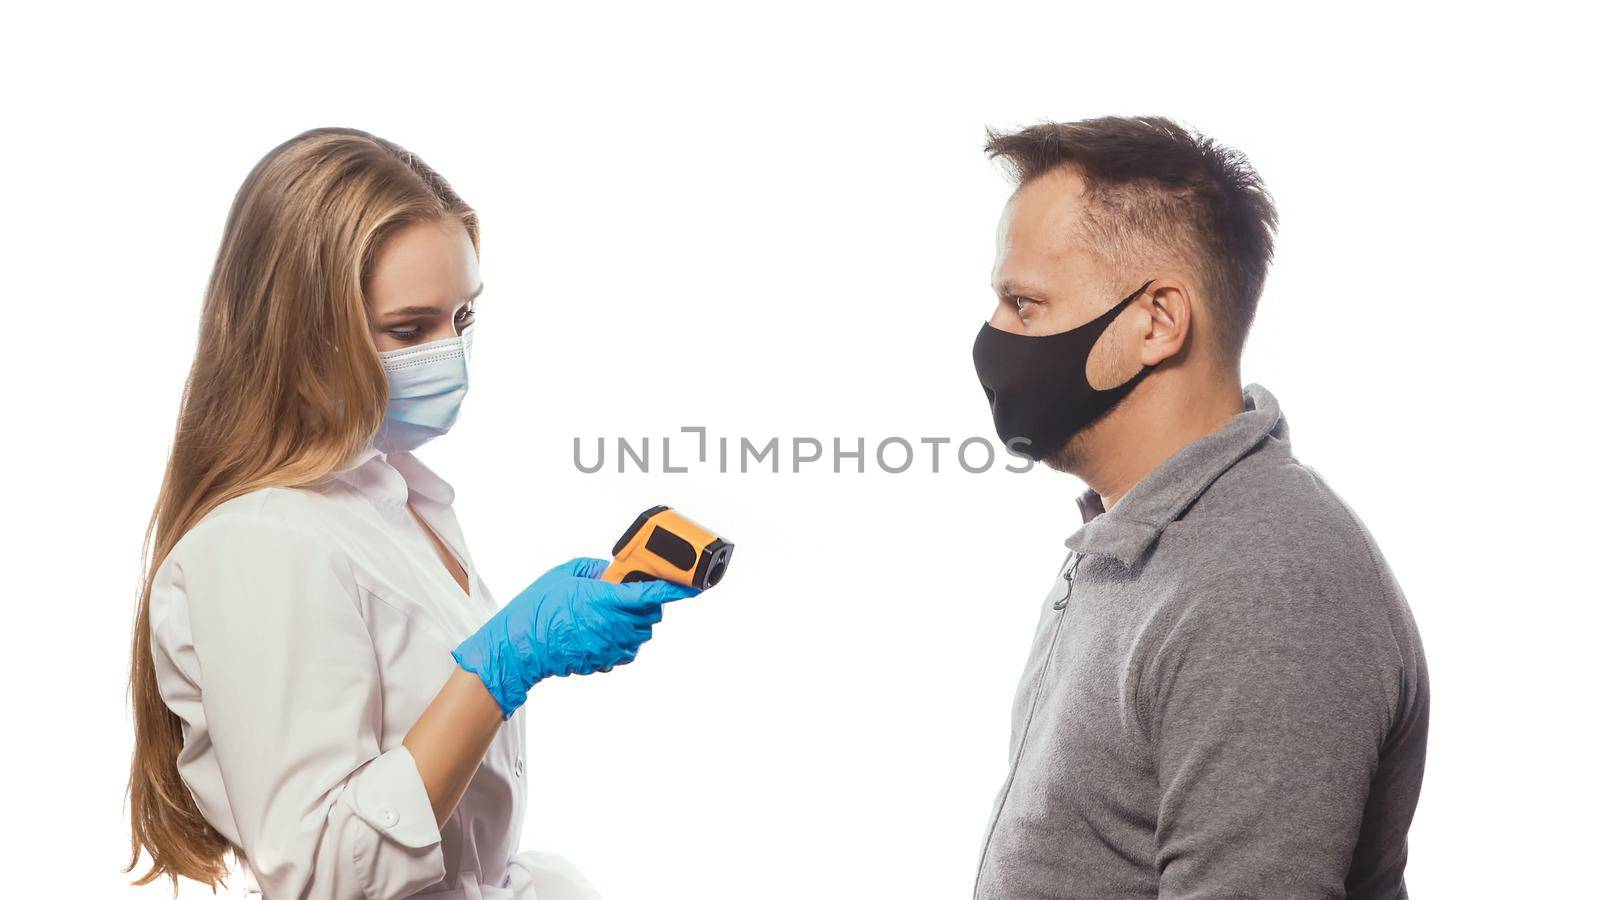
(518,767)
(388,817)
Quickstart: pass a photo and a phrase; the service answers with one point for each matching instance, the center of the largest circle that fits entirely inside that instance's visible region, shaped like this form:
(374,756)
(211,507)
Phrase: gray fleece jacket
(1226,695)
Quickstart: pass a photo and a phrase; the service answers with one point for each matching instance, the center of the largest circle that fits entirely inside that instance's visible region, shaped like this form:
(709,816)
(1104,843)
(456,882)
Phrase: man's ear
(1170,317)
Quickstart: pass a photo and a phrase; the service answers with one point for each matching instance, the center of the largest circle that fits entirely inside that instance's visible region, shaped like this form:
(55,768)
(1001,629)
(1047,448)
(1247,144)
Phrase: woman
(320,681)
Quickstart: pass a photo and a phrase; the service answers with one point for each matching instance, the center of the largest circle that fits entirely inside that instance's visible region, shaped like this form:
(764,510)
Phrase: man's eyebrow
(1014,288)
(426,310)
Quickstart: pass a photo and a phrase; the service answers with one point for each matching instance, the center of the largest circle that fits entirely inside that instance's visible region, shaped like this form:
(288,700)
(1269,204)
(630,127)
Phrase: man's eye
(1023,304)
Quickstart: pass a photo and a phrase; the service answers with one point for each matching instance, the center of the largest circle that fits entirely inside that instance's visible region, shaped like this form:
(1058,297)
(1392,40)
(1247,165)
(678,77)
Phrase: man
(1226,695)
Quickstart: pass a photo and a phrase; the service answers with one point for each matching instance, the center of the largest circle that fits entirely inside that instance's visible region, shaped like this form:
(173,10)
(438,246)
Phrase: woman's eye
(463,316)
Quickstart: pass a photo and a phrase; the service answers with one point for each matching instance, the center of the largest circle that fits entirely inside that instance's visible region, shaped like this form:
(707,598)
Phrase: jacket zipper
(1069,573)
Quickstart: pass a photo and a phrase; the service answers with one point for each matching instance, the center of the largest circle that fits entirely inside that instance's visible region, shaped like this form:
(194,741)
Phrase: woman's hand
(567,622)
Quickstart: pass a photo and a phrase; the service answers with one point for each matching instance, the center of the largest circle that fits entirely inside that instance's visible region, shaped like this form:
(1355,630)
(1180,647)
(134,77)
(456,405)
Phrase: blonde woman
(320,682)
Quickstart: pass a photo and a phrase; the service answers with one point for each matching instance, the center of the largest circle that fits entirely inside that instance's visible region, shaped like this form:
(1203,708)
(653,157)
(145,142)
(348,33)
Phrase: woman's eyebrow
(414,311)
(426,310)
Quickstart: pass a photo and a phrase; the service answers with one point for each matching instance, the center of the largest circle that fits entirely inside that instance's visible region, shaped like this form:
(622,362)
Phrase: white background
(778,222)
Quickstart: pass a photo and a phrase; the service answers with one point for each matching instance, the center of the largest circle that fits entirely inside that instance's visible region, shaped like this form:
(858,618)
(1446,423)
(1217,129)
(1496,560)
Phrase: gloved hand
(568,621)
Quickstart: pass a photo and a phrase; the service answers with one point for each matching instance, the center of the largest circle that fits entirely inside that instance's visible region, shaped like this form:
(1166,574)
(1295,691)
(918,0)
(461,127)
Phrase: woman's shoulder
(265,517)
(270,540)
(262,566)
(271,525)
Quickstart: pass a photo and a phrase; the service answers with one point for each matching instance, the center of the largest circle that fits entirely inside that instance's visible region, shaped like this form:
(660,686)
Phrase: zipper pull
(1071,570)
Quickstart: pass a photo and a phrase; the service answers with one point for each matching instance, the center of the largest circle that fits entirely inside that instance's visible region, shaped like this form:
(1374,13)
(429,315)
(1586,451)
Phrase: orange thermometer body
(662,544)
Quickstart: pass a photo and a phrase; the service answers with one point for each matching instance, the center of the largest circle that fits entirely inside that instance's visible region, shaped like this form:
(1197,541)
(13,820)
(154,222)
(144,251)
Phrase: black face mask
(1038,386)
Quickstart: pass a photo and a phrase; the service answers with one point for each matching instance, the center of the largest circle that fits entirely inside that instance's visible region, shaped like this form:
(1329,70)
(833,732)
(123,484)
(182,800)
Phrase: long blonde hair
(285,388)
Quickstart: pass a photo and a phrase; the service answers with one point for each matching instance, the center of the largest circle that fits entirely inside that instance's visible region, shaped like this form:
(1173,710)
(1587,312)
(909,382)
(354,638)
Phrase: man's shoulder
(1272,507)
(1273,553)
(1272,531)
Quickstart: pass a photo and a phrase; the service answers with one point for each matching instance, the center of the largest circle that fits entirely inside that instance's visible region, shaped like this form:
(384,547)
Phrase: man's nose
(1005,318)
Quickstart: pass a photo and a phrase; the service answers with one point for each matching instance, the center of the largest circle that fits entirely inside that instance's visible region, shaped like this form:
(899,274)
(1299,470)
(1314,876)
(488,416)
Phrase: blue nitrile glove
(568,621)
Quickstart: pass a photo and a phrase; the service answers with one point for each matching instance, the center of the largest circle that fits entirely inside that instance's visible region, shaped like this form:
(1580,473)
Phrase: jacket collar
(392,477)
(1162,495)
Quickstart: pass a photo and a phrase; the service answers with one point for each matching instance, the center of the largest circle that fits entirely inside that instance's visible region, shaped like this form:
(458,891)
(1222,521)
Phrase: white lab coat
(299,633)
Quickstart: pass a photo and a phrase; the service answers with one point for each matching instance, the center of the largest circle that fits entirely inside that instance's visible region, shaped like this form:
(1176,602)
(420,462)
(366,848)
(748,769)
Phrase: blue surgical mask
(426,384)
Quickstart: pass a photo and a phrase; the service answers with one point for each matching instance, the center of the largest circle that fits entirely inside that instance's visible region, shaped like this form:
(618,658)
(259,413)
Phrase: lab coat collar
(393,477)
(1128,529)
(422,479)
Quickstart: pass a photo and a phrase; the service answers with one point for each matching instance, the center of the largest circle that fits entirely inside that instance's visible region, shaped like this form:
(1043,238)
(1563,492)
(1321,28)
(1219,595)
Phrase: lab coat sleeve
(545,875)
(292,701)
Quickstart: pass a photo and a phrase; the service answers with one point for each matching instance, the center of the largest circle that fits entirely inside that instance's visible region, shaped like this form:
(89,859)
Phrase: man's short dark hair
(1159,193)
